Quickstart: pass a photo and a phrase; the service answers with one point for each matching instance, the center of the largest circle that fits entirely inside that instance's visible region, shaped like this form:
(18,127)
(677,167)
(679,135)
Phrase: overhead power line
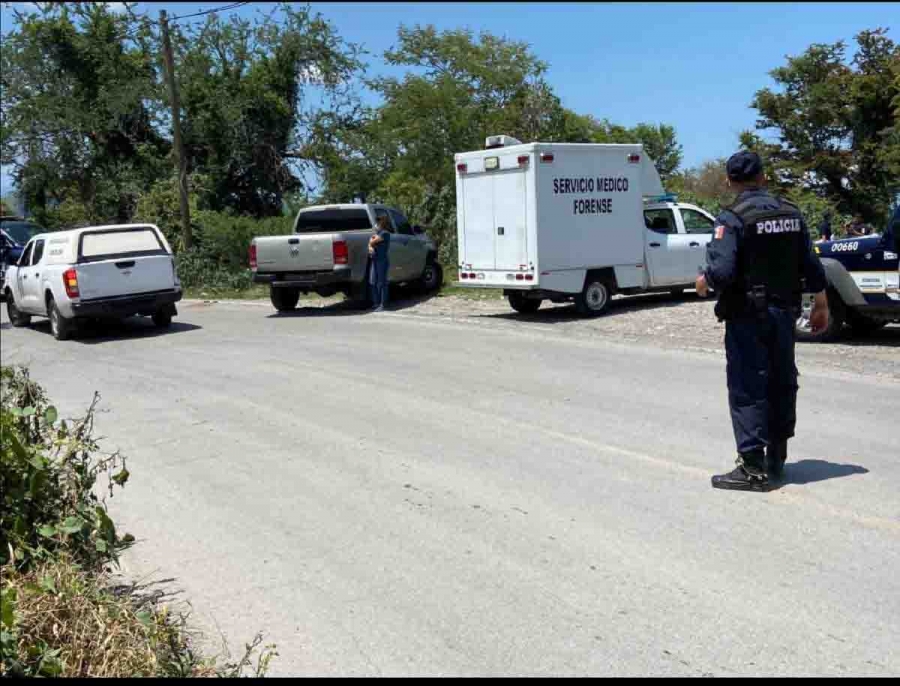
(225,8)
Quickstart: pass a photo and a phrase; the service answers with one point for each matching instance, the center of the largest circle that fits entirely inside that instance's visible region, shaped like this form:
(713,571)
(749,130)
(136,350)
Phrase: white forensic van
(572,221)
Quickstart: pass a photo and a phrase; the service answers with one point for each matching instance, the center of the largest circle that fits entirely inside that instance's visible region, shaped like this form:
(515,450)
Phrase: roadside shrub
(49,470)
(61,615)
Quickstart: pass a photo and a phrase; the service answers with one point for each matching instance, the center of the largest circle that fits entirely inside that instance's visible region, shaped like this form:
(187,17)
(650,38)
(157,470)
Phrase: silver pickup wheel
(432,277)
(284,299)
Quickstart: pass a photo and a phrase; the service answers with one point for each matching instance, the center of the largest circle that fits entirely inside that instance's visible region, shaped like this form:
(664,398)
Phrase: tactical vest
(772,247)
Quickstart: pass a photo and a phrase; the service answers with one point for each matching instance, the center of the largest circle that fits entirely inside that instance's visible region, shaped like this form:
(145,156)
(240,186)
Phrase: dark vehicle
(863,283)
(15,232)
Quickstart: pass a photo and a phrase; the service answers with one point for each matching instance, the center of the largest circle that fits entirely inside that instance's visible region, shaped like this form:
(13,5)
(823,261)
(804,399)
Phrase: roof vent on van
(492,142)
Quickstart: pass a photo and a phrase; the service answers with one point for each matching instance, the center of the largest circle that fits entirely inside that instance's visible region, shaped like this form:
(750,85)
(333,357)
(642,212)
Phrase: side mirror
(418,229)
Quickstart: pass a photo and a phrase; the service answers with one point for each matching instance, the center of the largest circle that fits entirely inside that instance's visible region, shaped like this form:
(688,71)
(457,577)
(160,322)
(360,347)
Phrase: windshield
(21,232)
(333,219)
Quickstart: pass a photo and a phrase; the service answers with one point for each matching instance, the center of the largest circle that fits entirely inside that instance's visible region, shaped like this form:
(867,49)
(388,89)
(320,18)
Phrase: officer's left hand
(701,286)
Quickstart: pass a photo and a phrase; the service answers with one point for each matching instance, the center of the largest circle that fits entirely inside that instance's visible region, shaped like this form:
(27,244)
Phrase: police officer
(758,260)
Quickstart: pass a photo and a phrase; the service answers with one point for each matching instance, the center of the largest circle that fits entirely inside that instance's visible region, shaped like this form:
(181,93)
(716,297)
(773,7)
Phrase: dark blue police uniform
(760,260)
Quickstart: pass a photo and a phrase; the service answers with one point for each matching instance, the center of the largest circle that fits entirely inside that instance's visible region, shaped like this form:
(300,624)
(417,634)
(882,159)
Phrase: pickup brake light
(70,281)
(340,253)
(253,256)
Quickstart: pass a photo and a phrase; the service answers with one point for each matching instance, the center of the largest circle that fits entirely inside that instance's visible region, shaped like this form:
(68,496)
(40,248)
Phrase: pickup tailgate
(298,253)
(113,263)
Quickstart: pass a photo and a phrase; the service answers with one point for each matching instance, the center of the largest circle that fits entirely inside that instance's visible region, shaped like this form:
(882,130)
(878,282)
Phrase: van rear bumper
(126,305)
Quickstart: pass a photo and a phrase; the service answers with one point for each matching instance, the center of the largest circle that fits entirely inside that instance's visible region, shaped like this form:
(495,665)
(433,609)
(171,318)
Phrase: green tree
(247,90)
(79,85)
(836,123)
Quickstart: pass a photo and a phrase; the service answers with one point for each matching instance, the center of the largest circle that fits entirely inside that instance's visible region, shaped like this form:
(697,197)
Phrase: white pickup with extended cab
(93,273)
(572,221)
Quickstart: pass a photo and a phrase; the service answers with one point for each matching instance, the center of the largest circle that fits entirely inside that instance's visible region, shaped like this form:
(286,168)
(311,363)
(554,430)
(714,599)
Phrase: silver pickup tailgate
(298,253)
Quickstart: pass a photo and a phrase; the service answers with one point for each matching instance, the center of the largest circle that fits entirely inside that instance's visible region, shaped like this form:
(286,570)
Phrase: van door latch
(499,230)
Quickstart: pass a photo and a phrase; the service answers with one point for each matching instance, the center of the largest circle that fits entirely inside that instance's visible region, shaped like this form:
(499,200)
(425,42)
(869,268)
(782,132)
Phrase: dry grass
(72,623)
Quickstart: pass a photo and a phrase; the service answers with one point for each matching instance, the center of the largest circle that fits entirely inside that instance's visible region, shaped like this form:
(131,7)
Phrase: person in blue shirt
(379,247)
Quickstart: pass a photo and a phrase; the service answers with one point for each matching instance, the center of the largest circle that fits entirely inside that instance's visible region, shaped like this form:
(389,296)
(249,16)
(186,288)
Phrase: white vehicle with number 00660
(92,273)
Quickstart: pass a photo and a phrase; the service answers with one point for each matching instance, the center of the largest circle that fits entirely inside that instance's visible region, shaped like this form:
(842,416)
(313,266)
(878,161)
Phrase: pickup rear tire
(284,299)
(162,320)
(594,298)
(524,305)
(16,317)
(432,277)
(60,326)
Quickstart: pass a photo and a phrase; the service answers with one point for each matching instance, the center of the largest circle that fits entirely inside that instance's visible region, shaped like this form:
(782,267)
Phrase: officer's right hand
(818,317)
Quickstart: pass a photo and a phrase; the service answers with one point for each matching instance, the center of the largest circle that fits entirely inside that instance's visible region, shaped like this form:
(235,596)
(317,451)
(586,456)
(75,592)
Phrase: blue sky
(692,65)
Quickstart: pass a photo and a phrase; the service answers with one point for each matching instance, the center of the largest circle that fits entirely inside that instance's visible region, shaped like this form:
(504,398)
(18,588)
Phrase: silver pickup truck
(329,253)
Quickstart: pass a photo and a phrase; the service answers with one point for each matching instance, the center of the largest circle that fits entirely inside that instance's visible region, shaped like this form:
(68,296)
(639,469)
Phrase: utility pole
(187,238)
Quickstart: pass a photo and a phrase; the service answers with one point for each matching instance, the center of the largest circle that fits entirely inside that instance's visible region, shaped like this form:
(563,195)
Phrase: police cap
(743,166)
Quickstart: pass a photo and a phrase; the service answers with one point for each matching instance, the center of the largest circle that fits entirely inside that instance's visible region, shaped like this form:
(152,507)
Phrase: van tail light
(529,277)
(523,160)
(252,256)
(634,158)
(70,281)
(547,157)
(340,253)
(462,168)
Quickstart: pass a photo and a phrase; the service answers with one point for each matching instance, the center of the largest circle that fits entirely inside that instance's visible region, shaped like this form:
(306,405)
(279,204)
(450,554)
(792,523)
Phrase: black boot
(750,474)
(776,456)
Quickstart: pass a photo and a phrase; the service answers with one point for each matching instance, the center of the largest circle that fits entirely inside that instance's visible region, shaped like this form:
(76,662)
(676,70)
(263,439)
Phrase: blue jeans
(378,278)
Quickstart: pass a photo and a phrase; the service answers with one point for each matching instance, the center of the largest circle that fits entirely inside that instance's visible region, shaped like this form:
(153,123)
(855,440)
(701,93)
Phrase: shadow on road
(346,308)
(555,314)
(811,471)
(889,337)
(106,331)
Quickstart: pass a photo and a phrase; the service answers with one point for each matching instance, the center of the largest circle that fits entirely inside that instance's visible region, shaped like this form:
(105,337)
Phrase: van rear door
(123,261)
(494,214)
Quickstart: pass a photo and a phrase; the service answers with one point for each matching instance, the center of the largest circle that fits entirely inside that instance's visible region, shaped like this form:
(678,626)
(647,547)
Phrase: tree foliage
(836,123)
(78,109)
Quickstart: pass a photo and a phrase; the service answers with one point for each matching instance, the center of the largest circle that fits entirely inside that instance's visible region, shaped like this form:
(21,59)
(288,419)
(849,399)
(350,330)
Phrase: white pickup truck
(329,252)
(559,222)
(94,272)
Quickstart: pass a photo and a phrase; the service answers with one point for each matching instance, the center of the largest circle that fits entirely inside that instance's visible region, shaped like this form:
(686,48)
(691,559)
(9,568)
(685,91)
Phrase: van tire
(524,305)
(284,299)
(16,317)
(162,320)
(60,326)
(594,298)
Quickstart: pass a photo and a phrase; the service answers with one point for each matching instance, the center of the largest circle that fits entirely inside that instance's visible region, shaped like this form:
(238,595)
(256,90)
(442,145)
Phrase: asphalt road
(393,494)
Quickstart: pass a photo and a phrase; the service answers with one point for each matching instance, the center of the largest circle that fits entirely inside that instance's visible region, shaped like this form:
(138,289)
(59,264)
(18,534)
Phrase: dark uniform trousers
(762,377)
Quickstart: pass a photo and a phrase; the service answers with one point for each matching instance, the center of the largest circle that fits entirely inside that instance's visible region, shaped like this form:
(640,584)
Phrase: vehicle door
(22,266)
(31,282)
(416,248)
(664,247)
(395,250)
(698,229)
